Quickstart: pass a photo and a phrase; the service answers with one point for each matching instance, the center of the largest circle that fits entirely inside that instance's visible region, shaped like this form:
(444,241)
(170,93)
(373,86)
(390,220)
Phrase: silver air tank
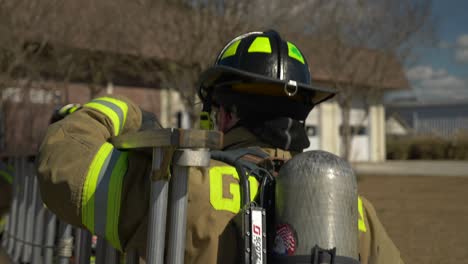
(316,204)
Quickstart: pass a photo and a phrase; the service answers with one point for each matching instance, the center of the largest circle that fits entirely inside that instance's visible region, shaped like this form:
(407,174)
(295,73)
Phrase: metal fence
(444,127)
(35,235)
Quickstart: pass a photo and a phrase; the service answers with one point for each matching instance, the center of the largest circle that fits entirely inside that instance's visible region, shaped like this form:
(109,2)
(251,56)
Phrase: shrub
(460,146)
(427,147)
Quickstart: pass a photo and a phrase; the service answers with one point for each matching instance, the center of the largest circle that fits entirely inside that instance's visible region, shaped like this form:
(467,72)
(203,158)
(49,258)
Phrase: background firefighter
(258,93)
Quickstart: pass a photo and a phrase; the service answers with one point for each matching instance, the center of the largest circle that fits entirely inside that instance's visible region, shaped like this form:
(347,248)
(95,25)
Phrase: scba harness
(260,230)
(257,215)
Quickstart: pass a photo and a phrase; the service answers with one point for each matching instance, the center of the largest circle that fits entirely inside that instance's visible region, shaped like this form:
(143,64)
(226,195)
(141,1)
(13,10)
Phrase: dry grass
(427,217)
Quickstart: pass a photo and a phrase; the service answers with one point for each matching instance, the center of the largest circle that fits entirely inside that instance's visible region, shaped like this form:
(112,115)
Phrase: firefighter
(258,93)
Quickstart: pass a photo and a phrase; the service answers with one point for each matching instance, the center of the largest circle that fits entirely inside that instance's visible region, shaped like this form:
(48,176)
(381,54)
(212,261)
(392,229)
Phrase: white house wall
(326,119)
(171,104)
(359,143)
(394,127)
(312,124)
(377,131)
(328,127)
(367,147)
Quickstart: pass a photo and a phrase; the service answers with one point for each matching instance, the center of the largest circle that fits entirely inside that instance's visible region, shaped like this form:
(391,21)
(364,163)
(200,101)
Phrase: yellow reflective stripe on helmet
(294,52)
(225,189)
(231,50)
(114,109)
(102,193)
(8,178)
(260,44)
(361,222)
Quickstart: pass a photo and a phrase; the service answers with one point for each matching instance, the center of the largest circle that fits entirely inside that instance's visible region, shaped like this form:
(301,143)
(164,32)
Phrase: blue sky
(441,73)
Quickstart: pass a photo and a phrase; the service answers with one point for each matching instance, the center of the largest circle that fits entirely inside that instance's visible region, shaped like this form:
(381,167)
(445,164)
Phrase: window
(356,130)
(311,131)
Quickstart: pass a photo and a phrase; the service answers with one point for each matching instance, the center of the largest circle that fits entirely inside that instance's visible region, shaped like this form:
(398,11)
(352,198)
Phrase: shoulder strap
(249,158)
(249,161)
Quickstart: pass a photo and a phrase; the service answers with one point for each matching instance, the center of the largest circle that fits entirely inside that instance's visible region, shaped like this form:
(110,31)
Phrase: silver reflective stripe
(102,193)
(114,108)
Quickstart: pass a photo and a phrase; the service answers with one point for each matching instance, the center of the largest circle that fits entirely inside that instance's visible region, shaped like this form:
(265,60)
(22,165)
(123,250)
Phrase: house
(437,119)
(396,126)
(363,75)
(25,113)
(367,115)
(70,62)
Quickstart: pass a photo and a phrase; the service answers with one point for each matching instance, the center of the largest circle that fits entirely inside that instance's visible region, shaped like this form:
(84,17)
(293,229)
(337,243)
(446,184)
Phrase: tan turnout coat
(71,145)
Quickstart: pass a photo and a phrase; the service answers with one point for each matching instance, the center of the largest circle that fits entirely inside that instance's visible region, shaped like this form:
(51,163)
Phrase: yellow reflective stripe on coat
(361,222)
(114,109)
(102,193)
(225,189)
(73,109)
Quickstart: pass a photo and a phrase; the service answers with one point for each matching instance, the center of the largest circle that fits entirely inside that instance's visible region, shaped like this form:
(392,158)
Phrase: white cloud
(461,49)
(431,84)
(461,55)
(420,73)
(462,41)
(444,45)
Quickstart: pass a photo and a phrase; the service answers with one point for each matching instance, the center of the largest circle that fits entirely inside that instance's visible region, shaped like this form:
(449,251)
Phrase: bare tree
(362,46)
(163,44)
(168,44)
(43,46)
(189,34)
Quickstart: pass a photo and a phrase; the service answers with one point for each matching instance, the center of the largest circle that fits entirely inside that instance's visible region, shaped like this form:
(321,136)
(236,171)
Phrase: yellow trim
(205,121)
(90,184)
(122,105)
(361,222)
(113,200)
(73,109)
(2,223)
(8,178)
(231,50)
(217,200)
(260,44)
(109,113)
(294,52)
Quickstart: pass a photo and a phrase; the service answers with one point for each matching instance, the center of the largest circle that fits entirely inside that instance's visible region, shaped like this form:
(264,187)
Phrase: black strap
(243,167)
(303,259)
(318,256)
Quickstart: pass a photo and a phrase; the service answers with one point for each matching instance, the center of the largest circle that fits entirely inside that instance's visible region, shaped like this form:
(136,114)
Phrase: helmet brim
(223,74)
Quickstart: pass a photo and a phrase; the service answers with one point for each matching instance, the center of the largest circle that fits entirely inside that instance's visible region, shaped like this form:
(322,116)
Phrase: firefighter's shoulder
(375,245)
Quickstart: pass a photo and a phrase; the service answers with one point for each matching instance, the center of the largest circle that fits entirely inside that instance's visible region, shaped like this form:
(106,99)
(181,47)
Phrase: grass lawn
(426,217)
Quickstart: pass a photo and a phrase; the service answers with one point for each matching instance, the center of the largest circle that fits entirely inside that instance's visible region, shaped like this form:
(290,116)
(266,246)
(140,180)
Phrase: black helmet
(263,58)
